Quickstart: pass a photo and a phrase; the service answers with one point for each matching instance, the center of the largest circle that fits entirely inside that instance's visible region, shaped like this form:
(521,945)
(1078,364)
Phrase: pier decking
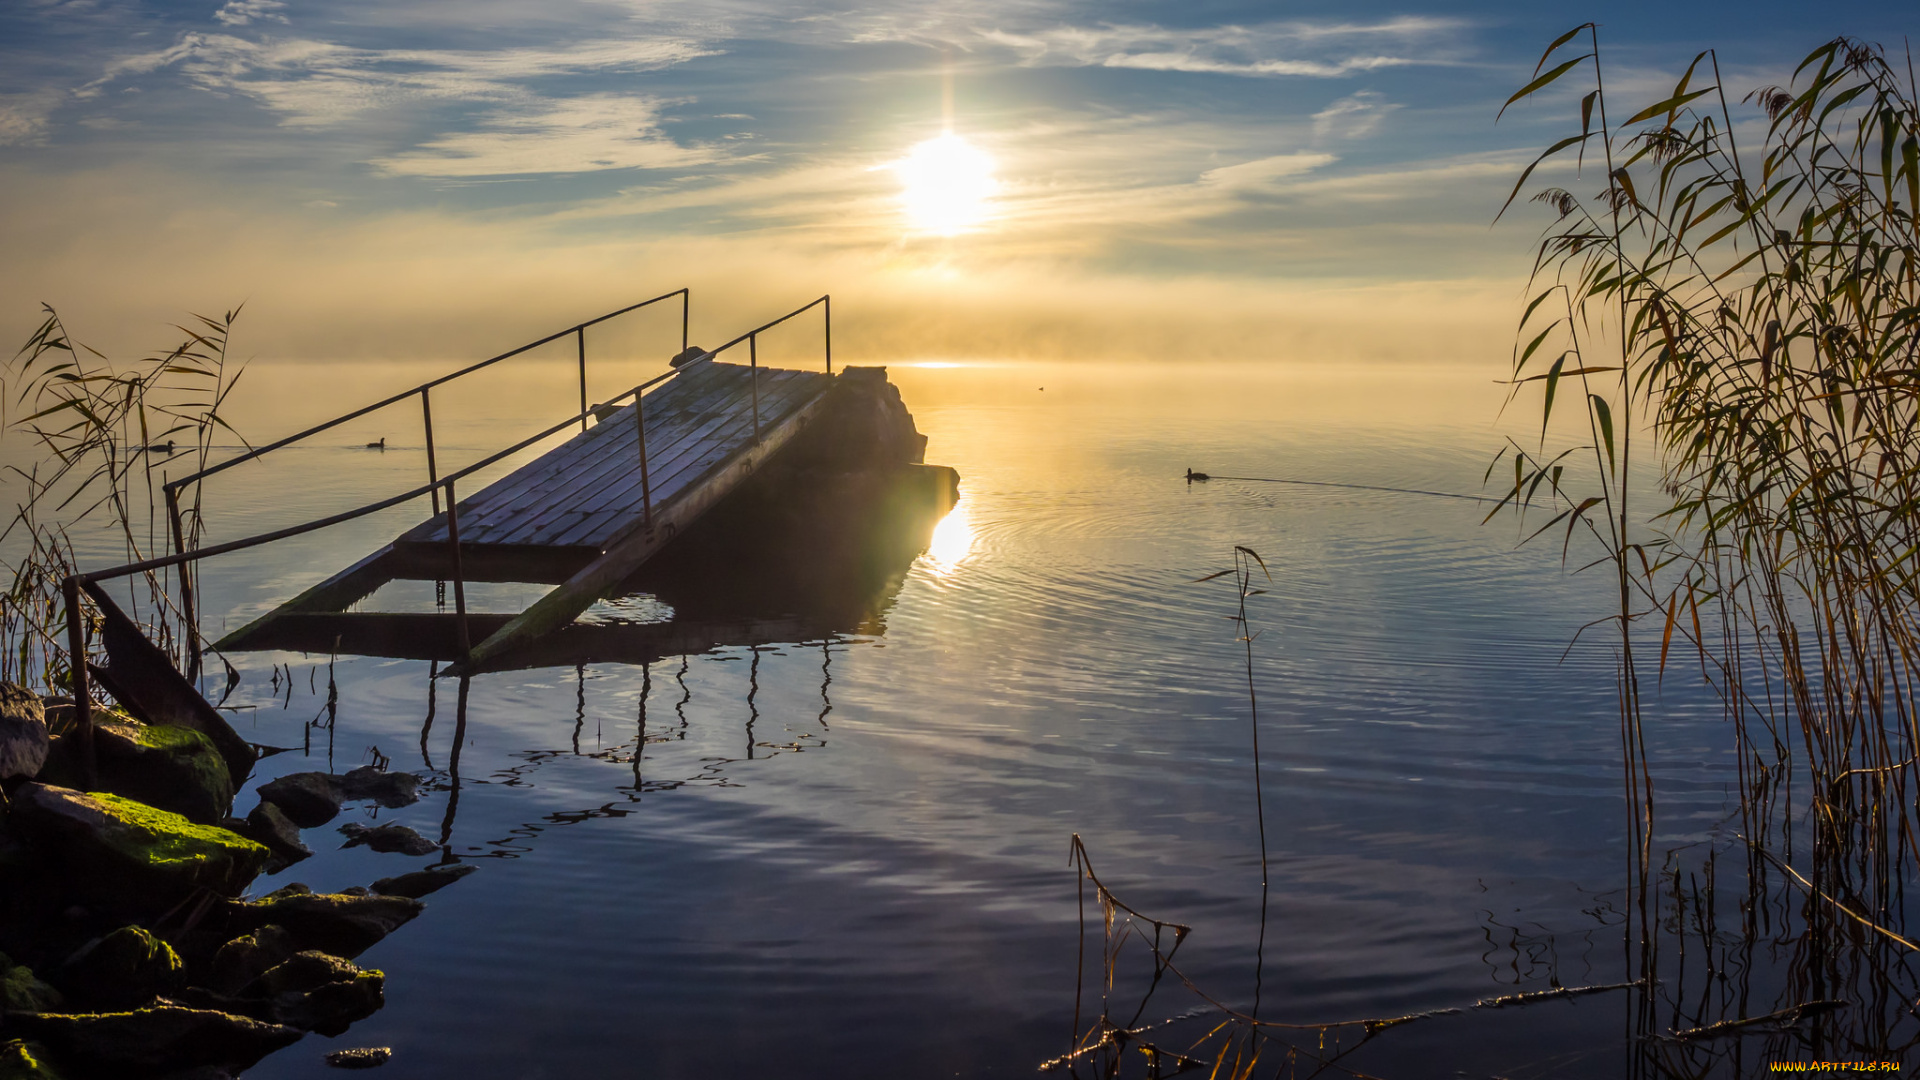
(584,515)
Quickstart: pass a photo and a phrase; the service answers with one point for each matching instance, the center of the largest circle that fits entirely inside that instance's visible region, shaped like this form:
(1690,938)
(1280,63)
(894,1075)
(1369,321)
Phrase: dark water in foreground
(849,859)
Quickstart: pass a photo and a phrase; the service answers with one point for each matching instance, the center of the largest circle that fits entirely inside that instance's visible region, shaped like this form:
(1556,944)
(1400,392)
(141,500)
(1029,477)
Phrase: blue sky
(1302,172)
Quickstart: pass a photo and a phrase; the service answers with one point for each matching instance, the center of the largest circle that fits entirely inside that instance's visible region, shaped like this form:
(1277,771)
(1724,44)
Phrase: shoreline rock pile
(127,945)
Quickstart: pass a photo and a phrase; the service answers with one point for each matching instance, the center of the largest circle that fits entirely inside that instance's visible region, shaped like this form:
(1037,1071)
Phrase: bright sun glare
(946,184)
(952,543)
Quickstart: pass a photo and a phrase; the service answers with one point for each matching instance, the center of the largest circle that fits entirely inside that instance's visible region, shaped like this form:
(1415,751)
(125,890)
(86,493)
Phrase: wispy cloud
(1355,116)
(316,83)
(1264,171)
(242,12)
(602,131)
(1297,48)
(24,118)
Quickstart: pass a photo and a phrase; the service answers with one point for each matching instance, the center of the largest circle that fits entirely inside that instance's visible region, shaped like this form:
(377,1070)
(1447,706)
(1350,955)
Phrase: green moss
(22,991)
(166,840)
(188,747)
(21,1060)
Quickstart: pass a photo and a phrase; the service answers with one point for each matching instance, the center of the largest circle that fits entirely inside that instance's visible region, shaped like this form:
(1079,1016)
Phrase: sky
(1198,179)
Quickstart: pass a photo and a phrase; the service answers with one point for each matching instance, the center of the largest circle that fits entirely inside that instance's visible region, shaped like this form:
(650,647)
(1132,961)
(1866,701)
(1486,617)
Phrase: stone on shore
(248,957)
(22,991)
(153,1039)
(23,733)
(22,1060)
(126,968)
(321,993)
(360,1057)
(330,922)
(269,825)
(172,768)
(390,789)
(419,883)
(387,839)
(309,799)
(125,854)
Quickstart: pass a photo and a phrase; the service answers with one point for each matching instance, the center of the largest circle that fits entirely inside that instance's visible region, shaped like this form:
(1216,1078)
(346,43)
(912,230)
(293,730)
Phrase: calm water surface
(848,858)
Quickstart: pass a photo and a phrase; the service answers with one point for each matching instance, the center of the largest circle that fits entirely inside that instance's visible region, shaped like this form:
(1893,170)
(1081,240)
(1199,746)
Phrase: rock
(200,1072)
(142,678)
(388,838)
(126,968)
(309,799)
(248,957)
(23,733)
(172,768)
(342,925)
(360,1057)
(22,991)
(157,1038)
(321,993)
(269,825)
(421,882)
(390,789)
(22,1060)
(124,854)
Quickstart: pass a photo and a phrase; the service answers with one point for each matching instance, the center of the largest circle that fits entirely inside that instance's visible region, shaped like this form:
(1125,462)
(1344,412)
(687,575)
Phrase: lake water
(849,858)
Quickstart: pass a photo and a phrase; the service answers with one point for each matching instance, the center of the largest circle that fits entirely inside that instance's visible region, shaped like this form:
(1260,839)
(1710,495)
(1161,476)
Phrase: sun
(946,184)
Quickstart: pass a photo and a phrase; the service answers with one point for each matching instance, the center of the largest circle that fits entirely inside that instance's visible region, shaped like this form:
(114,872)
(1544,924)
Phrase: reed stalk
(99,439)
(1755,313)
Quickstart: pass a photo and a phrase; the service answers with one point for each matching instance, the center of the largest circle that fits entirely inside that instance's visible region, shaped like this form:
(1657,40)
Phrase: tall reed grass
(92,442)
(1740,294)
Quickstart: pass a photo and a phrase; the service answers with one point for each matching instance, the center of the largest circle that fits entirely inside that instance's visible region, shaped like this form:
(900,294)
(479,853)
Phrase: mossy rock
(126,968)
(22,991)
(22,1060)
(342,924)
(173,768)
(127,855)
(322,993)
(162,1038)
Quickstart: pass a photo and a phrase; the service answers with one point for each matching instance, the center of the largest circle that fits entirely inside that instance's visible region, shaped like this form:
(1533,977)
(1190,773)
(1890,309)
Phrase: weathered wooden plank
(581,519)
(670,476)
(537,474)
(635,545)
(336,593)
(498,513)
(532,485)
(609,509)
(530,529)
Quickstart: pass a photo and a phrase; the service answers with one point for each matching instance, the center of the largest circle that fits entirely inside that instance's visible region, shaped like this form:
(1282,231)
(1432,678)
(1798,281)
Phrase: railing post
(77,670)
(753,363)
(581,335)
(686,306)
(459,575)
(646,484)
(828,301)
(433,475)
(188,623)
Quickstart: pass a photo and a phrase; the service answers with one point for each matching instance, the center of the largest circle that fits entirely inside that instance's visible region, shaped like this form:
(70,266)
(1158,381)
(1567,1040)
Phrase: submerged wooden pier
(588,513)
(583,516)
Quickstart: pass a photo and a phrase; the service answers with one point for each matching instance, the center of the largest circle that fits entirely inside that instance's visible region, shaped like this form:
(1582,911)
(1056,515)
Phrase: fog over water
(848,857)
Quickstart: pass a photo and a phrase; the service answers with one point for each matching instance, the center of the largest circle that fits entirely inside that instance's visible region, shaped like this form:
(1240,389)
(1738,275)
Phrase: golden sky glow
(987,180)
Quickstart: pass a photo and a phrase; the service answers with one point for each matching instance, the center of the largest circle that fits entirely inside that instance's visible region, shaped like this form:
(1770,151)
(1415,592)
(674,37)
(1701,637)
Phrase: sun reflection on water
(952,543)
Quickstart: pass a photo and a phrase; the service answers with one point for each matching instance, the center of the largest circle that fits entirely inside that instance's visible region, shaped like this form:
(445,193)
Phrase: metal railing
(71,586)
